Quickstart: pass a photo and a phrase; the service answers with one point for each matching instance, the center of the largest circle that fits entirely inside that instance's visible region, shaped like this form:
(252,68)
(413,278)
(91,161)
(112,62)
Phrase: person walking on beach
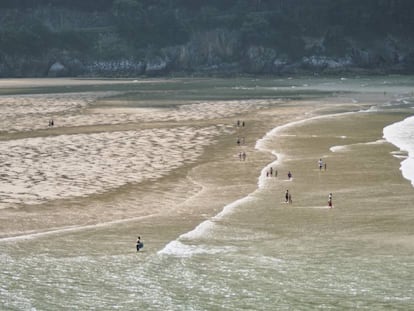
(330,200)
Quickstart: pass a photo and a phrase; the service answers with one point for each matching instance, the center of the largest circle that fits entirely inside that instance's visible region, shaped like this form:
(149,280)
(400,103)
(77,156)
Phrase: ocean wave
(179,249)
(401,134)
(204,228)
(343,148)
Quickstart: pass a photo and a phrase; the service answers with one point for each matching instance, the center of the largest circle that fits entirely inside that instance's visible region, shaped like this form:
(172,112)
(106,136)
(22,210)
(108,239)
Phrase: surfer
(139,244)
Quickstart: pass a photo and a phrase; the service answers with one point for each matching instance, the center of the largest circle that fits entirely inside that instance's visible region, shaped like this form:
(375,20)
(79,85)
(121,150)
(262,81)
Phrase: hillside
(144,37)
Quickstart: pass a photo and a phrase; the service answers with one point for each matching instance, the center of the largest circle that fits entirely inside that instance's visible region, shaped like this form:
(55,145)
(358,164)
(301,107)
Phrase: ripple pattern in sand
(34,170)
(32,112)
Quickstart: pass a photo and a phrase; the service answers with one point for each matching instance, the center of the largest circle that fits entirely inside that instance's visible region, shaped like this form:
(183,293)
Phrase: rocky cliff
(132,37)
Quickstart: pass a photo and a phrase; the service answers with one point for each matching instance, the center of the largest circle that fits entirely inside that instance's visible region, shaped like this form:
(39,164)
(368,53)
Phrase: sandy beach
(119,167)
(315,129)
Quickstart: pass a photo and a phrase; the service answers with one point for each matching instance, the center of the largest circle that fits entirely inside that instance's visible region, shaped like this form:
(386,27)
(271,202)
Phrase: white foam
(320,207)
(179,249)
(377,142)
(51,231)
(338,148)
(176,248)
(202,230)
(401,134)
(347,147)
(277,131)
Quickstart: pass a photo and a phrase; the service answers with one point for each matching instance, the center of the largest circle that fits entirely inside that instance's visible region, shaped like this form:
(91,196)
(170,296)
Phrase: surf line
(200,230)
(205,226)
(29,236)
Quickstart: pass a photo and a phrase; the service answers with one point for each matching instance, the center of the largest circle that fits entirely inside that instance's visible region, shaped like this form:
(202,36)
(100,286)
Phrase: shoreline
(263,183)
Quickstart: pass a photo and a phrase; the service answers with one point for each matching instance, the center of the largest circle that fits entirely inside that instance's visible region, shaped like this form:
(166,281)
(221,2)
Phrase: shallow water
(255,253)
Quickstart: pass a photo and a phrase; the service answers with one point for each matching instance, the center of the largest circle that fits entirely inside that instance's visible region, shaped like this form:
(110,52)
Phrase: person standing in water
(287,194)
(139,244)
(320,163)
(330,200)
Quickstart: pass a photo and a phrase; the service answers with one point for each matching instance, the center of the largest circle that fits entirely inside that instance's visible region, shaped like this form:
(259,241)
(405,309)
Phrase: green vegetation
(115,29)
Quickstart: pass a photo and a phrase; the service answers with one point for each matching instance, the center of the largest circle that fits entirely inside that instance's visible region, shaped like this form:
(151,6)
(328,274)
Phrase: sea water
(239,259)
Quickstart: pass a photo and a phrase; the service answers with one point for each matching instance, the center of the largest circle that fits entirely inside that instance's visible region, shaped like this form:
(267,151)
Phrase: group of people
(240,123)
(321,164)
(288,195)
(271,172)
